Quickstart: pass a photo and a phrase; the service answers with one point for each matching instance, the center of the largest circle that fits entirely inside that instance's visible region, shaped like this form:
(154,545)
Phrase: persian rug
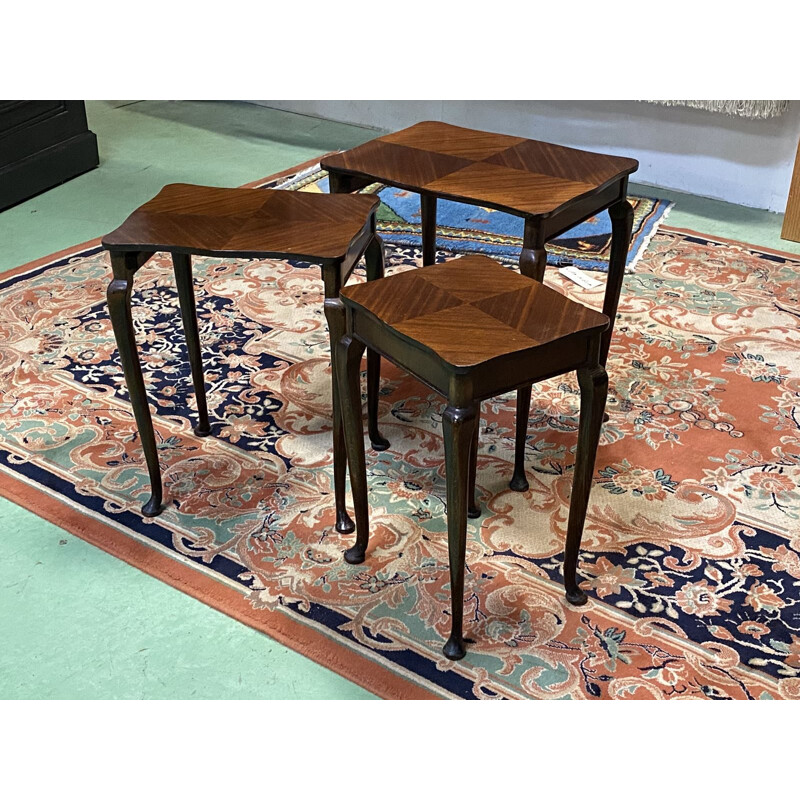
(466,228)
(691,551)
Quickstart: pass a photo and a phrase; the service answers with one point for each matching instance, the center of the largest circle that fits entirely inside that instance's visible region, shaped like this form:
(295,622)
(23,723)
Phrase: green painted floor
(77,623)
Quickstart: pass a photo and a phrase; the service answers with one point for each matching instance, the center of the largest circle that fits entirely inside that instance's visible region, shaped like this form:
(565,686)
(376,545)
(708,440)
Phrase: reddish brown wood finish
(334,231)
(471,329)
(521,176)
(206,220)
(472,310)
(553,188)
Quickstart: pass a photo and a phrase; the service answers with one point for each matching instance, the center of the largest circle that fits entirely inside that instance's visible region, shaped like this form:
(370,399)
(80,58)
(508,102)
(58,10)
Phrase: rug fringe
(298,176)
(647,239)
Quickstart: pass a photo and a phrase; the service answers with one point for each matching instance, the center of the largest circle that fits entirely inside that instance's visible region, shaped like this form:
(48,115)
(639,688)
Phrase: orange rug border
(713,238)
(299,637)
(294,634)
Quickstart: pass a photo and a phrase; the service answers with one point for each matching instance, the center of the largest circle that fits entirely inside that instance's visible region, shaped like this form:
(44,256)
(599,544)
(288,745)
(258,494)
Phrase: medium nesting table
(184,220)
(471,329)
(553,188)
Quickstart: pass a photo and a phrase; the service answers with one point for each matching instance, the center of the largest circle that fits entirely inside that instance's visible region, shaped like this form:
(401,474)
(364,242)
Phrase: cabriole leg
(593,383)
(335,314)
(124,265)
(348,373)
(374,259)
(532,263)
(182,265)
(621,214)
(458,428)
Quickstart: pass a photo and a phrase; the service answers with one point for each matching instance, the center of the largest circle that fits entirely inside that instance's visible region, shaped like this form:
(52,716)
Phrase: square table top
(471,310)
(509,173)
(210,220)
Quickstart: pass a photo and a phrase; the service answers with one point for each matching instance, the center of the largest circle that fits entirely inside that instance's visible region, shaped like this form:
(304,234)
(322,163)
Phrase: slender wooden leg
(124,265)
(348,374)
(519,483)
(182,265)
(621,214)
(532,263)
(335,314)
(374,260)
(458,425)
(427,204)
(594,387)
(473,506)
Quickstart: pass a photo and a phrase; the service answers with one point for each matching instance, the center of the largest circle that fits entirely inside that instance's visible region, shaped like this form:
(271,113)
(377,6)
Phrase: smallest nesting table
(471,329)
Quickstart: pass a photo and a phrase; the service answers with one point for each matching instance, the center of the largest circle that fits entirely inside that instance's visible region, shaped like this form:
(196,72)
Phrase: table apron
(482,381)
(581,210)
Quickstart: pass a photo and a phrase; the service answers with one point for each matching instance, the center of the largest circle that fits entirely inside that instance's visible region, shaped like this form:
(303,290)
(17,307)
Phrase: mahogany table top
(245,222)
(508,173)
(470,310)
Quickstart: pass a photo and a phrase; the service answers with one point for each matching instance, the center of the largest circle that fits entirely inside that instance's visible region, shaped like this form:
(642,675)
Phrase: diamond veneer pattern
(461,142)
(524,191)
(472,309)
(566,163)
(396,166)
(490,169)
(184,217)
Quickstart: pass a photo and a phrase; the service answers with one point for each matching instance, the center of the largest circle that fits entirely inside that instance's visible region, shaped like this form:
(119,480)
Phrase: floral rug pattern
(691,551)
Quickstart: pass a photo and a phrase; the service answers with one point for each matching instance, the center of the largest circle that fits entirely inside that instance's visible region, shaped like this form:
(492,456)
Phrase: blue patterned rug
(465,228)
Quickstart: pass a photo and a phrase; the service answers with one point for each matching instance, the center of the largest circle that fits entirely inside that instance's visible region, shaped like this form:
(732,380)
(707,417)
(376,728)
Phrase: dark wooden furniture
(42,143)
(472,329)
(185,220)
(553,188)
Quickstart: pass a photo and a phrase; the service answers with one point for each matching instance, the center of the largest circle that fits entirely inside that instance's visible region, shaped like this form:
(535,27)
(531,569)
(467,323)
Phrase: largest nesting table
(553,188)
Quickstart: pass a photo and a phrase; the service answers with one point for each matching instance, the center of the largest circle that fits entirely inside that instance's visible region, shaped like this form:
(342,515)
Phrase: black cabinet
(42,143)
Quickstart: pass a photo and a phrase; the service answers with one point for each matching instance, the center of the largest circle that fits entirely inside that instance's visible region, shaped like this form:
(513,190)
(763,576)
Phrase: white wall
(743,161)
